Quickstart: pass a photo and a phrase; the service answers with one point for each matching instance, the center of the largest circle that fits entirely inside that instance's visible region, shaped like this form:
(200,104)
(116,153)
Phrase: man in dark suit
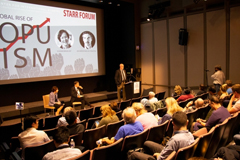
(77,95)
(120,79)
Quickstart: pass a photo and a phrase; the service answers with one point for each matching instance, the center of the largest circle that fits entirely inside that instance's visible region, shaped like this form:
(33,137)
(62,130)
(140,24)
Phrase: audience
(114,106)
(30,135)
(187,95)
(182,138)
(229,86)
(109,116)
(131,127)
(218,115)
(74,127)
(63,151)
(62,120)
(231,152)
(201,90)
(236,95)
(177,91)
(147,119)
(223,91)
(197,104)
(151,97)
(172,107)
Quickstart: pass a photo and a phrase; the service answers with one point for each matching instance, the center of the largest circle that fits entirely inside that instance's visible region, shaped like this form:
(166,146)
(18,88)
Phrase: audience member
(62,120)
(172,107)
(197,104)
(151,97)
(63,151)
(231,152)
(218,77)
(223,91)
(201,90)
(74,127)
(147,119)
(109,116)
(229,86)
(177,91)
(54,101)
(187,92)
(114,106)
(131,127)
(182,138)
(30,135)
(236,95)
(218,115)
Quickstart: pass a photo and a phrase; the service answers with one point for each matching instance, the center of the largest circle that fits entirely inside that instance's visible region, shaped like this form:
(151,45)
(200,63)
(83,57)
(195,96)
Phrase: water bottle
(72,143)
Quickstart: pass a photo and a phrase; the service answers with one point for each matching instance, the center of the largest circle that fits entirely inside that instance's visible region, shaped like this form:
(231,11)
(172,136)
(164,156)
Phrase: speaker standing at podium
(120,79)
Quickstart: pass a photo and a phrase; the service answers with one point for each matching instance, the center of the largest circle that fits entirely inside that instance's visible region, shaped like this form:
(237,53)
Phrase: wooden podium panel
(133,89)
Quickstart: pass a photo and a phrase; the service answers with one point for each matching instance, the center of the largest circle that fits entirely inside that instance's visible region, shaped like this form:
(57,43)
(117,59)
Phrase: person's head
(187,90)
(61,136)
(107,111)
(214,102)
(76,83)
(55,89)
(223,88)
(212,90)
(121,66)
(67,109)
(87,39)
(172,105)
(30,121)
(179,120)
(114,105)
(139,108)
(151,94)
(229,83)
(236,90)
(199,103)
(129,115)
(178,90)
(218,67)
(71,117)
(201,87)
(63,37)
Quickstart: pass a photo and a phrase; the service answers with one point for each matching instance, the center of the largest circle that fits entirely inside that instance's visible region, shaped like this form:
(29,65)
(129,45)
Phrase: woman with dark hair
(63,37)
(54,101)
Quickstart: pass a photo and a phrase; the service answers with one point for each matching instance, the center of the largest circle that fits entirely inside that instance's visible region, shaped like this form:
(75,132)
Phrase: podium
(133,89)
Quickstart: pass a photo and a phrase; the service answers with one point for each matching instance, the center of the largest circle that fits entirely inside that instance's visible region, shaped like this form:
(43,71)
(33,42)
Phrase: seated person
(187,95)
(63,151)
(151,97)
(236,95)
(74,127)
(229,86)
(77,95)
(54,101)
(147,119)
(223,91)
(62,120)
(181,138)
(231,152)
(201,90)
(30,135)
(197,104)
(109,116)
(114,106)
(131,126)
(177,91)
(172,107)
(218,115)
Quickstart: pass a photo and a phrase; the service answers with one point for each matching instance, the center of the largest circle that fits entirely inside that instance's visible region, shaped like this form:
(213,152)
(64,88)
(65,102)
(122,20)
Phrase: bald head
(129,115)
(199,103)
(121,66)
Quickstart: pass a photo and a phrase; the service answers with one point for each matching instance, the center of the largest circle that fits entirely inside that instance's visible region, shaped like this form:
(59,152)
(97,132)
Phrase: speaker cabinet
(183,37)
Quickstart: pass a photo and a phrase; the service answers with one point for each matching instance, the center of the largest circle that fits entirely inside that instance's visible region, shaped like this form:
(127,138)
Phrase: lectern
(133,89)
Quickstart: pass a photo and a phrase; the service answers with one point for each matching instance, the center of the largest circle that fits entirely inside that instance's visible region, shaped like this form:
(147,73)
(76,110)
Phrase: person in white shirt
(218,77)
(30,135)
(151,97)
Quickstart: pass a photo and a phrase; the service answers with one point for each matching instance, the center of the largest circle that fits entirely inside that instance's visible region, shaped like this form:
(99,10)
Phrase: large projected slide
(44,41)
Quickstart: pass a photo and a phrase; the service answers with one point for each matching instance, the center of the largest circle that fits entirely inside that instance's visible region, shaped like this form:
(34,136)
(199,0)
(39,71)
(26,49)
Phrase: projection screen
(49,40)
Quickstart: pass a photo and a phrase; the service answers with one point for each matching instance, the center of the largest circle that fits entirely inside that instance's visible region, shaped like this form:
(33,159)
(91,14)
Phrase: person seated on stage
(218,115)
(223,92)
(109,116)
(229,86)
(177,91)
(74,127)
(77,95)
(151,97)
(131,126)
(191,107)
(147,119)
(62,120)
(114,106)
(30,135)
(54,101)
(236,96)
(181,138)
(201,90)
(187,95)
(172,107)
(63,150)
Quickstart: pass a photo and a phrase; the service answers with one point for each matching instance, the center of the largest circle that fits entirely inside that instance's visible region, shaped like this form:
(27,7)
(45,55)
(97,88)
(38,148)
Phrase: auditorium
(119,79)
